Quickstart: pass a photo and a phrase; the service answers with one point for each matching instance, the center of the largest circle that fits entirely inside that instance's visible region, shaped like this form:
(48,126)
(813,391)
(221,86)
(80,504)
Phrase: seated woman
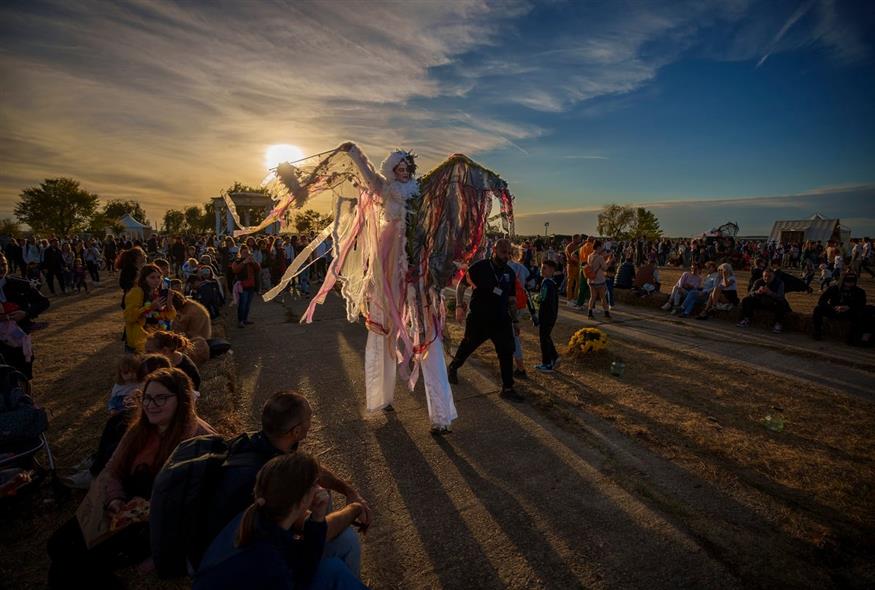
(101,537)
(724,295)
(689,281)
(146,309)
(176,348)
(192,318)
(693,298)
(258,549)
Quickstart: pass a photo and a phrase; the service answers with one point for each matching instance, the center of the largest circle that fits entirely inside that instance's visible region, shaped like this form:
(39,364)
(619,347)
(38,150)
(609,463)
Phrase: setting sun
(281,152)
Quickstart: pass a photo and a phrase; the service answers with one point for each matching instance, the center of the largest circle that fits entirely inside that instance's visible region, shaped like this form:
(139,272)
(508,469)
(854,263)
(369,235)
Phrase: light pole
(546,228)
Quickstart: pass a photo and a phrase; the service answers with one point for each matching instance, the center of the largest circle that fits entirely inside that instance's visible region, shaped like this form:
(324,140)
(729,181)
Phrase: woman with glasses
(165,417)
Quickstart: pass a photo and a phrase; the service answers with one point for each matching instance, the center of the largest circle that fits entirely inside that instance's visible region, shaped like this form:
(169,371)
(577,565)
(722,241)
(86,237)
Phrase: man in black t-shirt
(491,314)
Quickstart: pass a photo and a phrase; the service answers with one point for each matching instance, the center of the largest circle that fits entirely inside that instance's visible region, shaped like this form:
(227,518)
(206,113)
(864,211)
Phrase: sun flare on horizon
(281,152)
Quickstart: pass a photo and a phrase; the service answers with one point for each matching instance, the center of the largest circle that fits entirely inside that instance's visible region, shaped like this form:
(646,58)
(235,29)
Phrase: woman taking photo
(147,308)
(110,529)
(246,270)
(273,544)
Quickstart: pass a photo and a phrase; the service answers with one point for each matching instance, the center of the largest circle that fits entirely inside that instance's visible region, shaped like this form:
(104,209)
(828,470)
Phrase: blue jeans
(244,304)
(692,299)
(333,574)
(345,547)
(609,285)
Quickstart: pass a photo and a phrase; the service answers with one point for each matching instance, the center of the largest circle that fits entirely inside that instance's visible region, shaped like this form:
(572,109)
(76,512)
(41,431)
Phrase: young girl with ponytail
(273,543)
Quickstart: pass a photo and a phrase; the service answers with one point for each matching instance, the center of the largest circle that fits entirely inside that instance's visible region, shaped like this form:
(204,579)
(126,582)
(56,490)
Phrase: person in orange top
(585,250)
(573,270)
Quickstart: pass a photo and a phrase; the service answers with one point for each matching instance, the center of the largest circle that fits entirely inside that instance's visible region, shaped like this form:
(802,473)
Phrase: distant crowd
(590,269)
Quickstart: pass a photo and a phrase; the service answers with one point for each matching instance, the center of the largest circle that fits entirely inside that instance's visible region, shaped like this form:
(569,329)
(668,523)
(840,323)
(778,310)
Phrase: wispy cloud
(587,157)
(797,14)
(194,95)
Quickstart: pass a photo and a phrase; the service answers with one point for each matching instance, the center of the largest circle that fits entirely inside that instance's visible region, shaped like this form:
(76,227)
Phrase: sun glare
(281,152)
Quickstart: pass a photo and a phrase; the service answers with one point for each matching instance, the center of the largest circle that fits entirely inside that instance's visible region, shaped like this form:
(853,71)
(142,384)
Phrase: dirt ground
(667,477)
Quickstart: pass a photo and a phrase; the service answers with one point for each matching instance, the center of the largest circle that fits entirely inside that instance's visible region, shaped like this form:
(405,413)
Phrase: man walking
(491,314)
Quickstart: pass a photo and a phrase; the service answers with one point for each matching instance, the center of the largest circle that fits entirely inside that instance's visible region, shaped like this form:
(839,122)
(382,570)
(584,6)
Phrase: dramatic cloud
(170,102)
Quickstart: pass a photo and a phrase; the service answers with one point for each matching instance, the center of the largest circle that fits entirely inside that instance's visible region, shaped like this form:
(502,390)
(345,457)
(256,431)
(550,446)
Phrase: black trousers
(51,273)
(778,306)
(548,350)
(826,311)
(479,329)
(93,271)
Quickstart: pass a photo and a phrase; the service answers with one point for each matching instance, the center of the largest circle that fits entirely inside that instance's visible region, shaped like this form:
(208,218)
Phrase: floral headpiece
(387,168)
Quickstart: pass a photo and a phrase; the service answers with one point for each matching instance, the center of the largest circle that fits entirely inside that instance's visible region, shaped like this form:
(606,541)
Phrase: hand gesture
(319,505)
(365,512)
(115,506)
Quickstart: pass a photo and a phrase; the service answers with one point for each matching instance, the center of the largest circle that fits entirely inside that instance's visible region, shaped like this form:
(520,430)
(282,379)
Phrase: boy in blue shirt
(548,310)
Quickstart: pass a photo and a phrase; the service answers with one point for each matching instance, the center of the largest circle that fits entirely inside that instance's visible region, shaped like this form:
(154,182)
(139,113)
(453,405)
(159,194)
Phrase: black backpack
(20,419)
(181,498)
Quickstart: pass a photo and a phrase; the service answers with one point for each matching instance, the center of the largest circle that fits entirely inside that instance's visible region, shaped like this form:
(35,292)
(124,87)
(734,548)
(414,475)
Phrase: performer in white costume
(395,248)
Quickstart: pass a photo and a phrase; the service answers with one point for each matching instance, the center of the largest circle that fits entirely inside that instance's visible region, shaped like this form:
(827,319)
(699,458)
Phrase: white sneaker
(777,329)
(666,307)
(675,311)
(573,304)
(723,306)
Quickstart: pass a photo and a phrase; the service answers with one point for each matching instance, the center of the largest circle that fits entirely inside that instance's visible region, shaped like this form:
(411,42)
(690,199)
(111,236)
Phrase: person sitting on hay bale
(845,301)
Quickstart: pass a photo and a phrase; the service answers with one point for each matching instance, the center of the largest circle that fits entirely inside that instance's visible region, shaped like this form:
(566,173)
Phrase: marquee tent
(815,229)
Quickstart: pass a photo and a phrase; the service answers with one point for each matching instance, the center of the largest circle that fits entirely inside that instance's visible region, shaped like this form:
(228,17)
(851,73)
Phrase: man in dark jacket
(285,422)
(548,311)
(846,301)
(767,292)
(491,314)
(53,264)
(20,303)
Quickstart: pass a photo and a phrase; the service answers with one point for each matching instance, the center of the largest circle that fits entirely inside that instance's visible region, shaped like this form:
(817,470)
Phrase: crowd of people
(267,518)
(587,271)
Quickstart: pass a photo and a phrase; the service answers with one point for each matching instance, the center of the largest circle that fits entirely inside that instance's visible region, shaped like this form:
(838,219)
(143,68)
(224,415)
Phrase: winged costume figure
(396,243)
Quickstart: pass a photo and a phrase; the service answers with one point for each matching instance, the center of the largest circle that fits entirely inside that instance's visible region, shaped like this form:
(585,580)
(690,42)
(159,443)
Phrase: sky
(703,111)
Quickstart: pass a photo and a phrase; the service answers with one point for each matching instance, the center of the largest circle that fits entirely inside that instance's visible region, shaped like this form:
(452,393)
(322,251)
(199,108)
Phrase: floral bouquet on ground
(586,341)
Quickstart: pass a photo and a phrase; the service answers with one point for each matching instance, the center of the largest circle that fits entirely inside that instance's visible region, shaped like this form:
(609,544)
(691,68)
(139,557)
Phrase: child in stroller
(22,434)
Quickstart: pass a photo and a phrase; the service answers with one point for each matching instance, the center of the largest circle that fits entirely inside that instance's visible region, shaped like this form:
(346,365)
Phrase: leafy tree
(311,221)
(9,227)
(194,219)
(174,221)
(615,220)
(57,206)
(239,187)
(645,225)
(118,207)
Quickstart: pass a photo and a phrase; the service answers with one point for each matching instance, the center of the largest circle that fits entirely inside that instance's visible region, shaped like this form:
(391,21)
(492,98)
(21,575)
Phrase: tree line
(60,206)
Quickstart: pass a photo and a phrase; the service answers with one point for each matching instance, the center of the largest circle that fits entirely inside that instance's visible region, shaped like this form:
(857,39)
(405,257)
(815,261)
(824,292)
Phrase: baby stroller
(23,425)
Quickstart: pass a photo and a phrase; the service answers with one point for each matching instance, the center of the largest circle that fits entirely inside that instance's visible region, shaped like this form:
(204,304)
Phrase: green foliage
(645,225)
(116,208)
(9,227)
(194,219)
(174,221)
(57,206)
(311,221)
(614,221)
(239,187)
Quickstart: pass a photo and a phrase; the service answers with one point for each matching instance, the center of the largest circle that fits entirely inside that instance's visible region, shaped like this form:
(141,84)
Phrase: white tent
(815,229)
(133,228)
